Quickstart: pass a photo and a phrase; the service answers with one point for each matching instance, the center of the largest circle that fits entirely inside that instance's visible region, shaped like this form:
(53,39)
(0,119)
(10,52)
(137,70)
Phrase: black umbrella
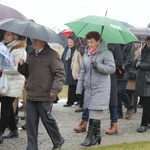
(30,29)
(141,33)
(64,39)
(8,12)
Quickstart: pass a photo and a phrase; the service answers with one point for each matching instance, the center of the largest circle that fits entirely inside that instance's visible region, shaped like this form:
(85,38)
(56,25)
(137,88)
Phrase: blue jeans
(113,114)
(85,115)
(123,97)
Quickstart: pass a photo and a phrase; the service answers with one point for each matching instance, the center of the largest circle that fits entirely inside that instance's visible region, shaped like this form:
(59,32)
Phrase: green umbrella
(112,31)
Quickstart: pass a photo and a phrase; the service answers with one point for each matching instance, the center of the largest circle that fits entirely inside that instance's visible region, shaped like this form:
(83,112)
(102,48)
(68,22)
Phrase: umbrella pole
(106,13)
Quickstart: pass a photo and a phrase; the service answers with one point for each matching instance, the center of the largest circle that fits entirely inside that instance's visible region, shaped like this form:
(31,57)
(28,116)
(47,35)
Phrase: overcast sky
(55,13)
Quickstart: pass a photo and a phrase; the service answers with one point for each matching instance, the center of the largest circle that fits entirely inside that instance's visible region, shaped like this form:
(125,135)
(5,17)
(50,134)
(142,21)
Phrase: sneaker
(142,129)
(79,110)
(129,113)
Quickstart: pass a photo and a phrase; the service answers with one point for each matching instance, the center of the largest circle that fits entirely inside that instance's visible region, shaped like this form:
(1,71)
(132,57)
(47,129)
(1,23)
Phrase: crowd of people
(102,78)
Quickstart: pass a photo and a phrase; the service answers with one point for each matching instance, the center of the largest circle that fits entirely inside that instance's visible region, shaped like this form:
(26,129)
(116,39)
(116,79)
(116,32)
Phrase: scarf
(68,55)
(93,49)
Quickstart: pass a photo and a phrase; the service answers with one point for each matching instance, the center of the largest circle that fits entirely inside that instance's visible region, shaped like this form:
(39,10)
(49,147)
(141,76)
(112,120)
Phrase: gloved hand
(94,64)
(79,96)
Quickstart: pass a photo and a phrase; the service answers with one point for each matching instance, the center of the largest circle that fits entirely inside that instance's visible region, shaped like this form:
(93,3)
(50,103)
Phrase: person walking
(76,65)
(143,85)
(94,79)
(45,75)
(69,80)
(132,77)
(113,103)
(16,46)
(128,51)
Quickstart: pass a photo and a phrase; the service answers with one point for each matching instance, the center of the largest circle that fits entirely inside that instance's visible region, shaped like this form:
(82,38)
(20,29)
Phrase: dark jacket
(45,74)
(128,51)
(69,80)
(118,57)
(143,75)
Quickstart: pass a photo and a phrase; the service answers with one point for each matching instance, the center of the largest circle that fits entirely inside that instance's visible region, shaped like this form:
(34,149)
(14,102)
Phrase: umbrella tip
(105,13)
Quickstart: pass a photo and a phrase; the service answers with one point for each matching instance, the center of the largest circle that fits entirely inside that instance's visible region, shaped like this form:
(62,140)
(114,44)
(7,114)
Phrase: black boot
(89,138)
(12,134)
(1,137)
(97,134)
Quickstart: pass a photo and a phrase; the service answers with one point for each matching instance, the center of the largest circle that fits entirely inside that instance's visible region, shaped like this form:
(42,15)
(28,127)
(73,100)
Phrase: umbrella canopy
(79,41)
(67,32)
(112,31)
(140,33)
(8,12)
(30,29)
(64,39)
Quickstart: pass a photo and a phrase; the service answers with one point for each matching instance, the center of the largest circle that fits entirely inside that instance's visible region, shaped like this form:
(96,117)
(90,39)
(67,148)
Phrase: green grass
(145,145)
(64,92)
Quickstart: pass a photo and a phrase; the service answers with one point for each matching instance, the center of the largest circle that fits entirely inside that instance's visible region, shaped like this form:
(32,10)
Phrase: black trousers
(146,110)
(72,97)
(7,114)
(36,109)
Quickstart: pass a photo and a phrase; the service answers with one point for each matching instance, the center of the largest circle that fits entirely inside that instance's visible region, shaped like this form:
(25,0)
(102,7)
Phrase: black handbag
(132,74)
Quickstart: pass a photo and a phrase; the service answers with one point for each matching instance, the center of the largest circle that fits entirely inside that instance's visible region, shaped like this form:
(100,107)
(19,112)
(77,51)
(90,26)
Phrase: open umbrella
(67,32)
(64,39)
(141,33)
(8,12)
(112,31)
(30,29)
(79,42)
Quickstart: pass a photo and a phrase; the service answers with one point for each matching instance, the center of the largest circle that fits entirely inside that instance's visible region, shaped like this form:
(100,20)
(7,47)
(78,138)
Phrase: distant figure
(69,80)
(143,85)
(128,51)
(132,77)
(118,57)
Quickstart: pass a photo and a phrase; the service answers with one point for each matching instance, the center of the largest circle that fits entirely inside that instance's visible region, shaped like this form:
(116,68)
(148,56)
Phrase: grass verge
(143,145)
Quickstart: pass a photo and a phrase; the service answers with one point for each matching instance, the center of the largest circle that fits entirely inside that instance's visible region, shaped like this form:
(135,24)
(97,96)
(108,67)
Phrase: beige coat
(76,64)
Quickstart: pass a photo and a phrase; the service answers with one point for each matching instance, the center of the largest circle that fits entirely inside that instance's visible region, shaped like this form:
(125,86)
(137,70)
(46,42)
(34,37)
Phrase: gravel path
(67,119)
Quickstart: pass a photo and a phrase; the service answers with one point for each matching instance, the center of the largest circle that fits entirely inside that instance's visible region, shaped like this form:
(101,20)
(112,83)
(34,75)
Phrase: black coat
(118,57)
(128,51)
(69,80)
(143,75)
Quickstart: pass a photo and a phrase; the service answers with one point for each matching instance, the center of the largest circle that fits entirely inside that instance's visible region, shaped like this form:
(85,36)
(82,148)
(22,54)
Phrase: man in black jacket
(128,52)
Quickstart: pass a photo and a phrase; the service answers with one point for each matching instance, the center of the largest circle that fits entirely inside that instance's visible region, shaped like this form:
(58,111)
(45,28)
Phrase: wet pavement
(67,120)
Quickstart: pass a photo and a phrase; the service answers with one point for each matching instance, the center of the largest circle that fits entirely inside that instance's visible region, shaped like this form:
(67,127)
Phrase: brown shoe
(129,113)
(113,129)
(81,127)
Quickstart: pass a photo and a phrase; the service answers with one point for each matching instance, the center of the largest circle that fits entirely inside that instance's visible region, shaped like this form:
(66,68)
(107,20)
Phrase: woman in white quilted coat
(16,45)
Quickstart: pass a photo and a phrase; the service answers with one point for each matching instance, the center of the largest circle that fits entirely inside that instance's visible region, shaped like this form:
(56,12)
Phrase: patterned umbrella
(8,12)
(80,43)
(6,59)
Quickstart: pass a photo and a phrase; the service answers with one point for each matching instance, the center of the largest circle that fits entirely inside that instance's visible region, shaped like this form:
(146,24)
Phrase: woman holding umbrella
(16,45)
(94,79)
